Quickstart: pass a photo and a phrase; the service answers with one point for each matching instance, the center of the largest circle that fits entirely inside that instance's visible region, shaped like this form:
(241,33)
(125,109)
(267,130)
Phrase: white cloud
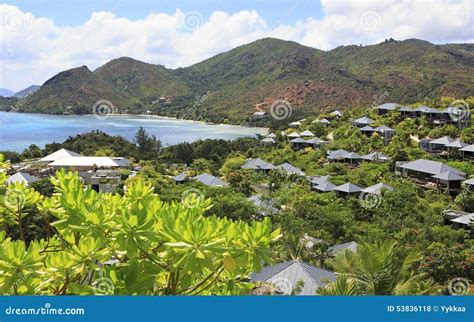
(34,48)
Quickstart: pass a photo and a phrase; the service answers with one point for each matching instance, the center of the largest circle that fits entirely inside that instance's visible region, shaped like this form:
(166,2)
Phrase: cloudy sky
(41,38)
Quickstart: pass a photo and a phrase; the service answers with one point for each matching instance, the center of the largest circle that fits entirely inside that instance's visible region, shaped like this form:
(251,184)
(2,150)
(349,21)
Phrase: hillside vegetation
(226,87)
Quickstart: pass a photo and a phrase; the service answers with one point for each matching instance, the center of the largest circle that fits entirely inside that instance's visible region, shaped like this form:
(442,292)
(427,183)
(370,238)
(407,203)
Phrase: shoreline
(151,116)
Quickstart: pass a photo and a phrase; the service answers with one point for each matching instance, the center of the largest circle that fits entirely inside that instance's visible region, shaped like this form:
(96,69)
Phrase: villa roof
(21,177)
(265,203)
(180,177)
(429,166)
(456,144)
(464,219)
(257,164)
(377,188)
(364,120)
(75,161)
(348,188)
(352,246)
(325,186)
(336,113)
(337,154)
(324,121)
(210,180)
(442,141)
(469,148)
(352,156)
(268,140)
(425,109)
(298,140)
(315,140)
(387,106)
(383,128)
(375,156)
(469,182)
(367,128)
(271,135)
(449,176)
(306,133)
(59,154)
(288,168)
(317,179)
(293,135)
(292,272)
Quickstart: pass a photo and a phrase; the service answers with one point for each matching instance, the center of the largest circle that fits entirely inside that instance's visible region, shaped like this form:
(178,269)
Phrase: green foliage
(160,248)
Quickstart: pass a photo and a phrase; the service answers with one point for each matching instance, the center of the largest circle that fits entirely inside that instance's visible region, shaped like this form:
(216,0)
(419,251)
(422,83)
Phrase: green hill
(227,86)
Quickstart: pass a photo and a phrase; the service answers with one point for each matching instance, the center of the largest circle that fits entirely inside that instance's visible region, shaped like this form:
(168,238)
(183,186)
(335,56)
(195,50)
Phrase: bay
(20,130)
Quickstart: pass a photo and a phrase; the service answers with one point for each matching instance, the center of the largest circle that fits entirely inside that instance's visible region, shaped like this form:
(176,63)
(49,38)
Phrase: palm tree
(343,286)
(380,269)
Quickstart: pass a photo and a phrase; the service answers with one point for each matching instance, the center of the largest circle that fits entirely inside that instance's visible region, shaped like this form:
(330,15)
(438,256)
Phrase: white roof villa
(62,153)
(21,177)
(84,162)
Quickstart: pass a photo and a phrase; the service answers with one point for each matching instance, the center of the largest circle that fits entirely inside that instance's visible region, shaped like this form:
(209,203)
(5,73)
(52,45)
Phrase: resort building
(286,276)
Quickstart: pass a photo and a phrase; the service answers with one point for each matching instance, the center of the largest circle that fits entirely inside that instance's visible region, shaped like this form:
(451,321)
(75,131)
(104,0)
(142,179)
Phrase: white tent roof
(20,177)
(101,162)
(59,155)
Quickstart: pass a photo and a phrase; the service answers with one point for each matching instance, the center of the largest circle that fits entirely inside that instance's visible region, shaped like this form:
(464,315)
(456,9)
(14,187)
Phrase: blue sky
(74,12)
(41,38)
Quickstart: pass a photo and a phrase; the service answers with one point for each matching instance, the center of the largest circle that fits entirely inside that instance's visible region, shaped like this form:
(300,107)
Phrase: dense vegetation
(225,88)
(405,247)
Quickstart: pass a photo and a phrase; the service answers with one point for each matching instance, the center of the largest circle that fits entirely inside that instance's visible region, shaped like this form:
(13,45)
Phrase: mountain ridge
(233,82)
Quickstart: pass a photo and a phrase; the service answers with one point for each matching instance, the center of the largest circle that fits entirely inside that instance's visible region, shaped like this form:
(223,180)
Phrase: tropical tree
(131,244)
(381,268)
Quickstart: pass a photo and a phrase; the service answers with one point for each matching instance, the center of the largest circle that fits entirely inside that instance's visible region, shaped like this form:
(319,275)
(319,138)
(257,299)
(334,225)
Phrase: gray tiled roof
(337,154)
(449,176)
(375,156)
(469,182)
(21,177)
(348,188)
(352,156)
(367,128)
(464,220)
(210,180)
(180,177)
(364,120)
(429,166)
(442,141)
(288,168)
(387,106)
(469,148)
(288,274)
(325,186)
(352,246)
(456,144)
(257,164)
(264,203)
(317,179)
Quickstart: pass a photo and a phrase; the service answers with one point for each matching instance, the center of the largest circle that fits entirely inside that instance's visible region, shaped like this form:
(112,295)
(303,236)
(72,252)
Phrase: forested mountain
(233,82)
